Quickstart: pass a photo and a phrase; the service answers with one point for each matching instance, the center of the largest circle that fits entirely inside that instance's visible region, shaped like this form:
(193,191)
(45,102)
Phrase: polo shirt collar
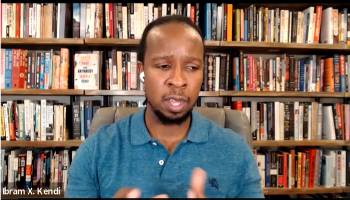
(198,132)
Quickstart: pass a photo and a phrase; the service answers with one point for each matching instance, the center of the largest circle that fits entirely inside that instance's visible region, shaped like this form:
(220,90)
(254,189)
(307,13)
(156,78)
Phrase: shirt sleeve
(251,184)
(82,181)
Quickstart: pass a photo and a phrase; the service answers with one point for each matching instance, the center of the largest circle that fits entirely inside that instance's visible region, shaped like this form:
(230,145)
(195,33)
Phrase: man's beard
(167,120)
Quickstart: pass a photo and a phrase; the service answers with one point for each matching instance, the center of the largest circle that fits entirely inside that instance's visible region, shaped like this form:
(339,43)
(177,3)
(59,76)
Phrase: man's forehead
(173,29)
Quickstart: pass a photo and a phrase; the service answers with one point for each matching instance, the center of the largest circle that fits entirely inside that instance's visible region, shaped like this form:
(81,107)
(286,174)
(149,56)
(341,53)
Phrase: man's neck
(168,135)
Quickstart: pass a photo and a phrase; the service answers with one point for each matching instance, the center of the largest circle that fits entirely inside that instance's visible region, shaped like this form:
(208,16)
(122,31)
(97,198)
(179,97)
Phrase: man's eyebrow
(192,58)
(162,57)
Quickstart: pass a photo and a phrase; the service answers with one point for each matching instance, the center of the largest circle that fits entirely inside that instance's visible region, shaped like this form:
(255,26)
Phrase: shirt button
(154,144)
(161,162)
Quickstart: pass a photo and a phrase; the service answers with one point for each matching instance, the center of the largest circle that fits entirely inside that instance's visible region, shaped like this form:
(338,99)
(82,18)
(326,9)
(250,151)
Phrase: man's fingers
(127,193)
(160,196)
(135,193)
(198,180)
(191,194)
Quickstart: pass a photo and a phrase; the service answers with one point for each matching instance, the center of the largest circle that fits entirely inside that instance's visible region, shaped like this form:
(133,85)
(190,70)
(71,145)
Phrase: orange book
(192,14)
(64,69)
(229,22)
(57,64)
(318,24)
(328,80)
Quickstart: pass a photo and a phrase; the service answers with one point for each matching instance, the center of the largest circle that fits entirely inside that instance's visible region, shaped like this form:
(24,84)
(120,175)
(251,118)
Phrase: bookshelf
(74,45)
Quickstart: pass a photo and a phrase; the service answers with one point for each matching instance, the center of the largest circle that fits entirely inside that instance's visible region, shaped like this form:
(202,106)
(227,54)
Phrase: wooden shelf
(316,190)
(293,143)
(129,42)
(267,46)
(347,94)
(276,46)
(280,94)
(268,143)
(68,143)
(346,189)
(42,41)
(137,93)
(209,93)
(141,93)
(41,92)
(111,42)
(114,93)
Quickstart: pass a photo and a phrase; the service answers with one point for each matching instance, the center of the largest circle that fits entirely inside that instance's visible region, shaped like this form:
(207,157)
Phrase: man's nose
(178,78)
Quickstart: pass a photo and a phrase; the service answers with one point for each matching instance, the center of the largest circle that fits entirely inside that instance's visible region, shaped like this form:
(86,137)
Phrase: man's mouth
(175,104)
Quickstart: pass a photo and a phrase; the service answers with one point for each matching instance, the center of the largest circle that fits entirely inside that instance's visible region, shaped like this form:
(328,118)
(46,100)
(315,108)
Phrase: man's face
(173,68)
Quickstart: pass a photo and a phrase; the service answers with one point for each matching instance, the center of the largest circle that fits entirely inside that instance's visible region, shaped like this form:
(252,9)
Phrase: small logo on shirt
(213,183)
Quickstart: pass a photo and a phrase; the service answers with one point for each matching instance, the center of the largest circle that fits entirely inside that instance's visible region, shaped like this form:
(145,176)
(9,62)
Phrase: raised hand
(197,184)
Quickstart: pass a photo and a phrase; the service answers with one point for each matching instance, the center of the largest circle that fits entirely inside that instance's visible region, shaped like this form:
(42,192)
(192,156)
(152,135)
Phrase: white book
(43,118)
(277,120)
(328,129)
(86,71)
(6,121)
(150,11)
(327,26)
(301,121)
(31,120)
(296,120)
(27,119)
(343,168)
(141,20)
(220,21)
(125,22)
(281,122)
(92,19)
(65,167)
(309,126)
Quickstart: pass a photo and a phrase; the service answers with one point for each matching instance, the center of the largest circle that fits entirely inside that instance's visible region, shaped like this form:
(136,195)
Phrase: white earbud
(142,76)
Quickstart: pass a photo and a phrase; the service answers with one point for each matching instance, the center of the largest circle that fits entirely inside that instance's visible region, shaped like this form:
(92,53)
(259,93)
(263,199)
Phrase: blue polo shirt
(124,155)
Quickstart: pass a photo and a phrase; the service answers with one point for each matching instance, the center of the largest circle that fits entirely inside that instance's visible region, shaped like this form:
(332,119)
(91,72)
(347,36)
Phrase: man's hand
(133,193)
(197,184)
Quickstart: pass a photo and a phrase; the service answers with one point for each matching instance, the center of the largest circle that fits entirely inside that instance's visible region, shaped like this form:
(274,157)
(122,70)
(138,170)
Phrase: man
(166,150)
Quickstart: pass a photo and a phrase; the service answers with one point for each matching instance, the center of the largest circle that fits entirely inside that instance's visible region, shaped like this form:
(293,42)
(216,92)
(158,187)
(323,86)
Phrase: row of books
(279,168)
(117,70)
(219,21)
(297,120)
(303,167)
(34,169)
(48,120)
(42,120)
(26,69)
(282,72)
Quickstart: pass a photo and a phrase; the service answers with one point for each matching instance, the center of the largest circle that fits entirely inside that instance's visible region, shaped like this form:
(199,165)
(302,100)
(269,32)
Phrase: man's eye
(193,67)
(163,66)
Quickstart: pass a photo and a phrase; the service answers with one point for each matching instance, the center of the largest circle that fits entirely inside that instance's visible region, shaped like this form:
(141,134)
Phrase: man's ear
(140,69)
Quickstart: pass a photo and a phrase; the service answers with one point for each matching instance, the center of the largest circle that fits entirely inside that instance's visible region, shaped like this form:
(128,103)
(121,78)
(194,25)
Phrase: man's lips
(176,103)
